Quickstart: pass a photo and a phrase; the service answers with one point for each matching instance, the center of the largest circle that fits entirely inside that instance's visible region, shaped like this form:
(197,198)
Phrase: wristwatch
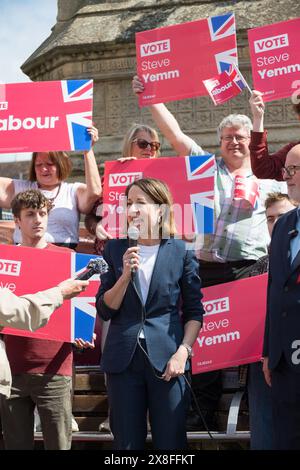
(188,348)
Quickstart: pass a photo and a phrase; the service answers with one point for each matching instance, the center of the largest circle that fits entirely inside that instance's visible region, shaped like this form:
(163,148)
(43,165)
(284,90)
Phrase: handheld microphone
(293,233)
(133,236)
(94,266)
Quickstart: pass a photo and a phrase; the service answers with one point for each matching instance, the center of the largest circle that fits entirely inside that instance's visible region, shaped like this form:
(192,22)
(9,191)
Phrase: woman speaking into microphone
(149,340)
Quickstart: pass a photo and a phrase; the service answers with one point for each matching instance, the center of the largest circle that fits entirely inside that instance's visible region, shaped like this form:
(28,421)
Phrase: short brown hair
(61,160)
(160,193)
(30,199)
(277,197)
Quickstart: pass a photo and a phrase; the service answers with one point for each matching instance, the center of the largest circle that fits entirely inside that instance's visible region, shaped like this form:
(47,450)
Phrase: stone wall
(95,39)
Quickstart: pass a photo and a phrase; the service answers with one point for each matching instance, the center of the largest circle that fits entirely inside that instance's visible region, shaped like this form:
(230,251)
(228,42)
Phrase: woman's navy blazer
(174,298)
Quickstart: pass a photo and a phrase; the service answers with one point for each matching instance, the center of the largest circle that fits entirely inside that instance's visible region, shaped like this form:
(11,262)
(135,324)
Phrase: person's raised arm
(166,123)
(88,193)
(257,106)
(264,164)
(7,192)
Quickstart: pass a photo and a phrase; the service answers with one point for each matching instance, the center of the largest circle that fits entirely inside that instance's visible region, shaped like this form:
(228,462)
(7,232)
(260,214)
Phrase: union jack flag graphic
(83,312)
(77,125)
(74,90)
(221,26)
(46,116)
(203,211)
(202,166)
(202,203)
(224,60)
(78,90)
(238,79)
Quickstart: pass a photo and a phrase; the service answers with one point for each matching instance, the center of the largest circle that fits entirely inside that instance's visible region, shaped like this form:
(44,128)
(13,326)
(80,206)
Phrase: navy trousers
(260,409)
(135,392)
(285,393)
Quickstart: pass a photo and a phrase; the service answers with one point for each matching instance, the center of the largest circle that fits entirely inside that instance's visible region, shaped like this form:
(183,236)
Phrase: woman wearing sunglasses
(149,342)
(140,141)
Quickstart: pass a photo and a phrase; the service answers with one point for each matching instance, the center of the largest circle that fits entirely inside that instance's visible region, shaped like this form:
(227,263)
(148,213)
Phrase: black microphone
(94,266)
(293,233)
(133,236)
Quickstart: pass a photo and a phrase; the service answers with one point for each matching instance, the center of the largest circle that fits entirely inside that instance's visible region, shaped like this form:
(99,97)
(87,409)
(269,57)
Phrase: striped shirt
(241,231)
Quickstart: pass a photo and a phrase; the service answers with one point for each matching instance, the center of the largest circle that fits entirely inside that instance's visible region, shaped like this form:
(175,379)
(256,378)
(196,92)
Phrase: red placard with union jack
(27,270)
(45,116)
(226,85)
(190,179)
(173,61)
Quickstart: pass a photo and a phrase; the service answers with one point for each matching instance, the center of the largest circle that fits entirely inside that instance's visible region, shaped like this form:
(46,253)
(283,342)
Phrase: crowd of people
(150,300)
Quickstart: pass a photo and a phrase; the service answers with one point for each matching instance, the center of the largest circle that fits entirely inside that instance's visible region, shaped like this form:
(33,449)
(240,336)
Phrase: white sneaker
(75,427)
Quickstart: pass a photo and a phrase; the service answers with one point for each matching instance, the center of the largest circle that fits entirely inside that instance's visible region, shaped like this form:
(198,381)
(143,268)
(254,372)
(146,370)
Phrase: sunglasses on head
(143,144)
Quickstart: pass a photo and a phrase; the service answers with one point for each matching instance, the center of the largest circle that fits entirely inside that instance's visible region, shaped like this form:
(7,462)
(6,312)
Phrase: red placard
(275,58)
(225,86)
(233,326)
(245,189)
(27,270)
(191,182)
(44,116)
(173,61)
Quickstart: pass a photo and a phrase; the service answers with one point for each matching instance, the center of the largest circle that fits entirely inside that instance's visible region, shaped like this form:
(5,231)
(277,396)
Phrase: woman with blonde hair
(149,342)
(140,141)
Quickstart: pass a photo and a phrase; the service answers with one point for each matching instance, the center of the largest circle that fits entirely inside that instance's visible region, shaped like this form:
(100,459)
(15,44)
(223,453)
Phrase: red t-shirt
(39,356)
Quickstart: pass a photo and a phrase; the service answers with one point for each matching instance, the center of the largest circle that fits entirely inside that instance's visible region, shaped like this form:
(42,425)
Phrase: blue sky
(24,25)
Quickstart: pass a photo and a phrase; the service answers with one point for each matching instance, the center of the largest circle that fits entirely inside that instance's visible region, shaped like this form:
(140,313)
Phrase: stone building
(95,39)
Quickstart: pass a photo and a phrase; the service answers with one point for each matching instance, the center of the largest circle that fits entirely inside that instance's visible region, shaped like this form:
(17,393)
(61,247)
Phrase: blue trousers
(286,406)
(137,390)
(260,409)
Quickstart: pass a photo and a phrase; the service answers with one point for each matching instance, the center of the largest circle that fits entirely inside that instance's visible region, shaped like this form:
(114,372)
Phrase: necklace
(51,199)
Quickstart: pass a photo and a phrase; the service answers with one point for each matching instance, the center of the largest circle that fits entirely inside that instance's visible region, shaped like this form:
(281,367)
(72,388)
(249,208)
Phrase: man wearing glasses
(281,349)
(240,235)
